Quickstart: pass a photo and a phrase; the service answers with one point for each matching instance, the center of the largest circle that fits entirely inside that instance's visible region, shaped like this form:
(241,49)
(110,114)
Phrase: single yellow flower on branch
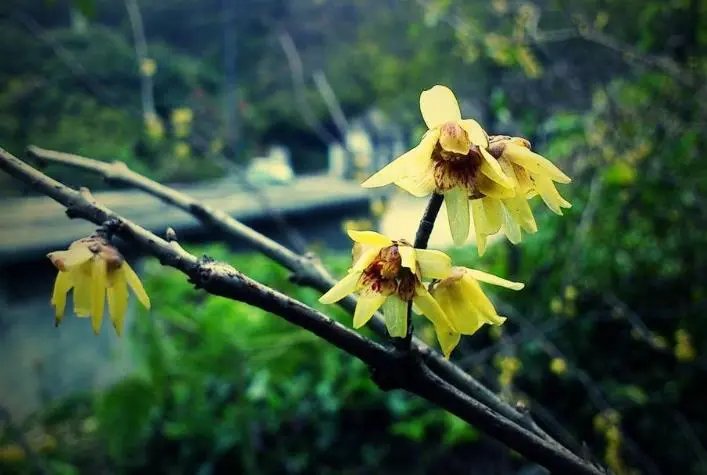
(93,268)
(388,274)
(464,303)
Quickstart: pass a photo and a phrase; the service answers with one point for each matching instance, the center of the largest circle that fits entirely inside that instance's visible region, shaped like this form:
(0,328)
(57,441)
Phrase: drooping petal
(82,289)
(429,307)
(407,258)
(366,307)
(370,238)
(458,308)
(457,203)
(490,188)
(433,264)
(494,214)
(471,289)
(62,285)
(477,135)
(438,105)
(341,289)
(495,280)
(136,286)
(448,339)
(480,225)
(99,283)
(118,300)
(67,260)
(413,163)
(491,168)
(534,163)
(395,311)
(519,209)
(549,194)
(510,228)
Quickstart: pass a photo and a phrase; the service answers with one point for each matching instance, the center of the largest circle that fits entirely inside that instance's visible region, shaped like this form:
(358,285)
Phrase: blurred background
(275,110)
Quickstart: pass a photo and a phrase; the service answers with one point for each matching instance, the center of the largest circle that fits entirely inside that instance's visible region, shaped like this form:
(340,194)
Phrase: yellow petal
(429,307)
(519,209)
(420,185)
(366,307)
(438,106)
(448,339)
(366,258)
(341,289)
(407,257)
(457,203)
(534,163)
(549,194)
(370,238)
(415,163)
(67,260)
(474,294)
(491,168)
(460,308)
(82,289)
(477,135)
(510,228)
(494,214)
(118,300)
(495,280)
(433,264)
(525,185)
(136,286)
(99,283)
(480,225)
(62,285)
(508,170)
(490,188)
(395,311)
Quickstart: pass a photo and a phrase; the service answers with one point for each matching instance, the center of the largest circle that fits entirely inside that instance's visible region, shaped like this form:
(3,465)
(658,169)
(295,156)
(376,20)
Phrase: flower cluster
(487,180)
(390,275)
(491,176)
(94,269)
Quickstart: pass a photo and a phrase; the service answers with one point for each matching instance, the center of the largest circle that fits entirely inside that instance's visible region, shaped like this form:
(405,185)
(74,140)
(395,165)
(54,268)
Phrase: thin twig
(307,270)
(224,280)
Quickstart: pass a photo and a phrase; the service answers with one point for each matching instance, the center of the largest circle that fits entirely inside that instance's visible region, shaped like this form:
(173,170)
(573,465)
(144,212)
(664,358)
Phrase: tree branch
(224,280)
(307,270)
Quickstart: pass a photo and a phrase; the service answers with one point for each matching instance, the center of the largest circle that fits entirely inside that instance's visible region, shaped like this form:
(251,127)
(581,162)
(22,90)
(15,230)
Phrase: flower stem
(422,237)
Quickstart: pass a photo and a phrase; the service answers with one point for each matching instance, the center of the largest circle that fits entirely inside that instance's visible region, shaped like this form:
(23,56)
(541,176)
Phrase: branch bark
(389,366)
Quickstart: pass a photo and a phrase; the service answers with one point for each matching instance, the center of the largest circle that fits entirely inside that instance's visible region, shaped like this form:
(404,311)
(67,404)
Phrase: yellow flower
(389,274)
(531,174)
(467,307)
(558,366)
(92,267)
(452,159)
(148,67)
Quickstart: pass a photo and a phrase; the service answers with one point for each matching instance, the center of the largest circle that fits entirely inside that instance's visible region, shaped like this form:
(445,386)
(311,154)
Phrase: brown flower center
(387,275)
(454,169)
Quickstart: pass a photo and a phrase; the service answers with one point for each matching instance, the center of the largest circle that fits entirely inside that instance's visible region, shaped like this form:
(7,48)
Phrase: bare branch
(390,370)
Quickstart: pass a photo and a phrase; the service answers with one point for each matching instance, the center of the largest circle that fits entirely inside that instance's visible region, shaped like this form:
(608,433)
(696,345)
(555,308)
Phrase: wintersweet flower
(92,267)
(464,303)
(452,159)
(531,174)
(388,274)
